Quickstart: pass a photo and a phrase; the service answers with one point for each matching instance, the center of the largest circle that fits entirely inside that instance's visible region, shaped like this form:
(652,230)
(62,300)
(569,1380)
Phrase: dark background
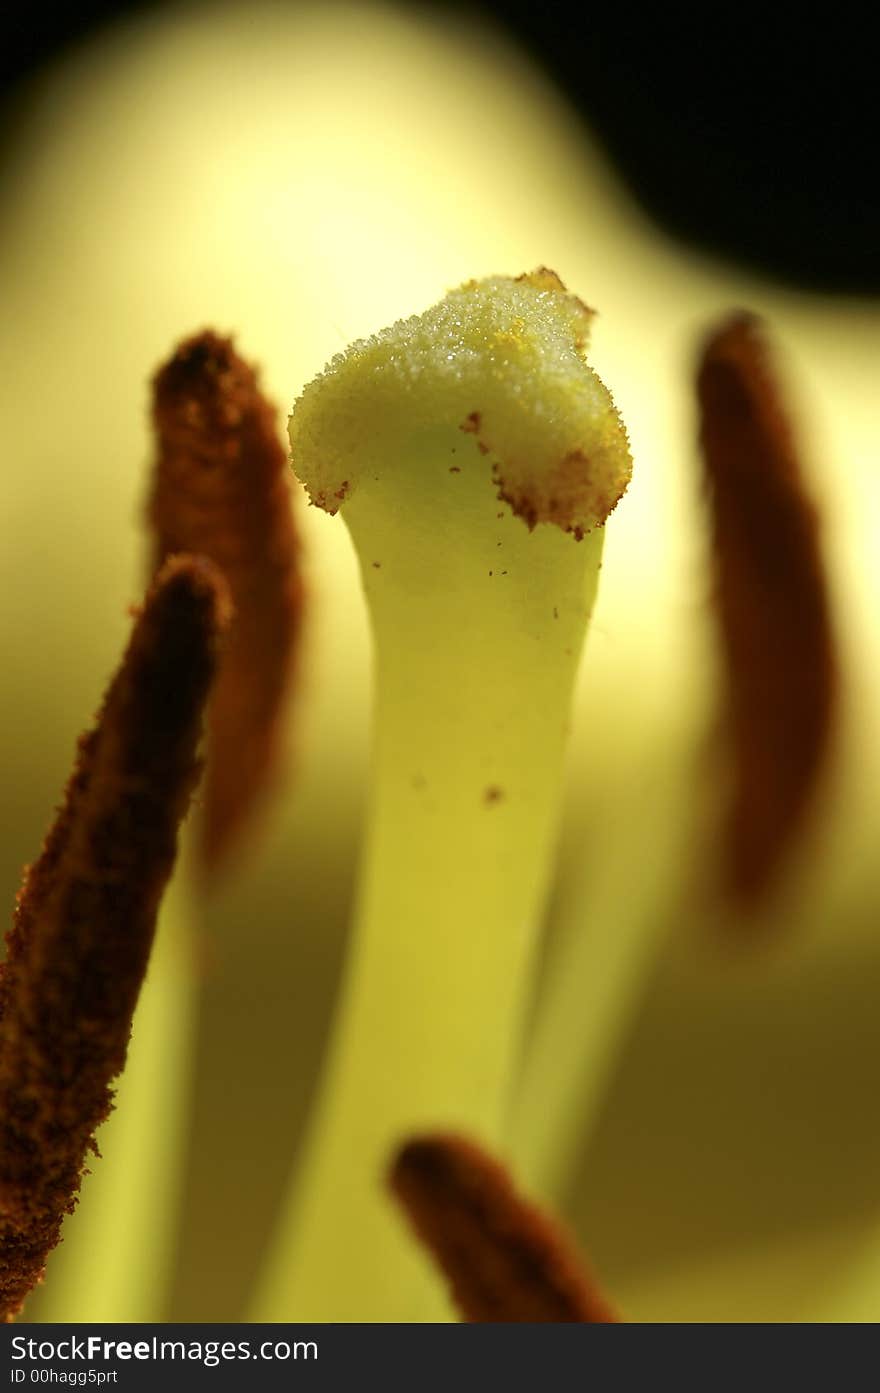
(752,135)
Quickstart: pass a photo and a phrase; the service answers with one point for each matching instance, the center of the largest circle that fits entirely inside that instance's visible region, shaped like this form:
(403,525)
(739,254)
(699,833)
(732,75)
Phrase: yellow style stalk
(478,621)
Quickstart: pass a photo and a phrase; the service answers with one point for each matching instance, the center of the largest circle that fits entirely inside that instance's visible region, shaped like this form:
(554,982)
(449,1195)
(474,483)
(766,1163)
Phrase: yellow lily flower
(695,1100)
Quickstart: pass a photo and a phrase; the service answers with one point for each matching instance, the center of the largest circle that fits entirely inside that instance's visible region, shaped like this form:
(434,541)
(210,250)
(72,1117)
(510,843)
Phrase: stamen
(772,603)
(86,914)
(222,490)
(505,1261)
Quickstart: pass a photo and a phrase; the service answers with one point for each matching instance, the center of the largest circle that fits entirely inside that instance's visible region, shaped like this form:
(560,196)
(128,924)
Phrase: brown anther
(85,917)
(222,490)
(505,1260)
(772,604)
